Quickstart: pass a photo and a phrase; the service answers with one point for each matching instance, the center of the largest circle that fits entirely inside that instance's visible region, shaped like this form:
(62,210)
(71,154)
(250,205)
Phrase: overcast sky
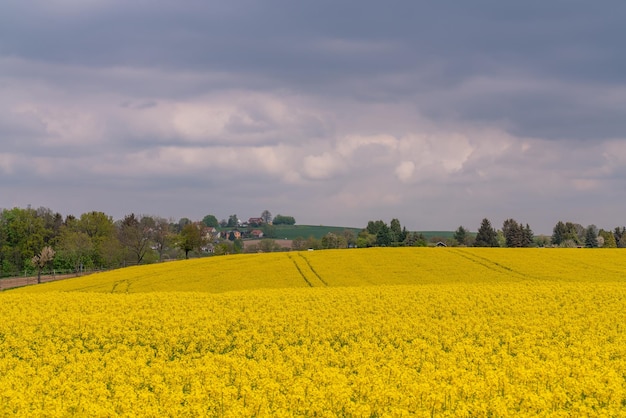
(438,113)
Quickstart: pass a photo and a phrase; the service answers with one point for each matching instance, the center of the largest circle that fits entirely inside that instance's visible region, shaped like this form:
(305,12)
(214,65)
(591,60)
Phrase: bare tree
(135,235)
(266,216)
(162,235)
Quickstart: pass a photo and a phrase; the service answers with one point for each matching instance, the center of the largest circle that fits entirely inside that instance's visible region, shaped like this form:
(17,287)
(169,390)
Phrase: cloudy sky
(438,113)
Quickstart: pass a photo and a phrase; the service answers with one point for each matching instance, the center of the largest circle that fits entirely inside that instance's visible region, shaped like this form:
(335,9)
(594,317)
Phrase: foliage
(74,249)
(486,236)
(330,241)
(23,234)
(461,235)
(268,245)
(210,221)
(608,239)
(516,235)
(190,239)
(284,220)
(620,237)
(233,221)
(269,231)
(591,236)
(567,234)
(378,233)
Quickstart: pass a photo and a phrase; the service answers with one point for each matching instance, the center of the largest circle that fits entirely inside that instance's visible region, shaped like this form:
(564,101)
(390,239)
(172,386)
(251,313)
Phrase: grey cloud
(271,93)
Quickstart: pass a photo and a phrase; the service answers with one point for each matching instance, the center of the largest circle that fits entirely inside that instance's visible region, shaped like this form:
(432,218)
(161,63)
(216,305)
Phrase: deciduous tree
(162,235)
(190,239)
(135,235)
(609,239)
(210,221)
(266,216)
(284,220)
(75,249)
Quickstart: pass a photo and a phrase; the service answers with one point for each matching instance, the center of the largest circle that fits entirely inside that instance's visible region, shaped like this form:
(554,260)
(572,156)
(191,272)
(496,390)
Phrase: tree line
(564,234)
(32,240)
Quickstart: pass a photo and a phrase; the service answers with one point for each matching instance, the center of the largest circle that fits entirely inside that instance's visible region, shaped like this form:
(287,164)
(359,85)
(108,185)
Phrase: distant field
(362,332)
(305,231)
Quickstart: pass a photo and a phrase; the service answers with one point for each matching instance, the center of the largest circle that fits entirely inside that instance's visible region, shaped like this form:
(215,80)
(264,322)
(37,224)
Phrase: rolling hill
(356,267)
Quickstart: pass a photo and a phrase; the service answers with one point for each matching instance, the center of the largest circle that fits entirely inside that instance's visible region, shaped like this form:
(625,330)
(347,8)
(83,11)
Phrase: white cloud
(405,170)
(322,166)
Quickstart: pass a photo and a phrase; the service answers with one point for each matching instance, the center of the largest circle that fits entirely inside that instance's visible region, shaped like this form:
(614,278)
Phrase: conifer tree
(486,236)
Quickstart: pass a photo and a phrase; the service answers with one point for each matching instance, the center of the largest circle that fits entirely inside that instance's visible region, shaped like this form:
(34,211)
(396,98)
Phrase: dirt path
(11,282)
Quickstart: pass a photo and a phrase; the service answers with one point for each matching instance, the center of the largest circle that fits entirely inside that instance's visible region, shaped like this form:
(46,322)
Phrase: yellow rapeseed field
(377,332)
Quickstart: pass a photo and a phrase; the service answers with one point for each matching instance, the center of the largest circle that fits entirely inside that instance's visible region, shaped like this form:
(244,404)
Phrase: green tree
(542,241)
(364,239)
(210,221)
(224,248)
(331,240)
(233,221)
(269,231)
(513,233)
(267,245)
(608,238)
(569,232)
(591,236)
(558,233)
(461,235)
(620,237)
(181,224)
(284,220)
(486,236)
(348,235)
(75,249)
(529,237)
(3,245)
(516,234)
(23,234)
(53,221)
(395,231)
(415,239)
(313,243)
(374,226)
(190,239)
(101,230)
(383,236)
(238,246)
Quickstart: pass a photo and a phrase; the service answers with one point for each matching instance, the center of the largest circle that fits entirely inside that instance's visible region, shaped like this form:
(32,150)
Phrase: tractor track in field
(313,270)
(490,264)
(301,269)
